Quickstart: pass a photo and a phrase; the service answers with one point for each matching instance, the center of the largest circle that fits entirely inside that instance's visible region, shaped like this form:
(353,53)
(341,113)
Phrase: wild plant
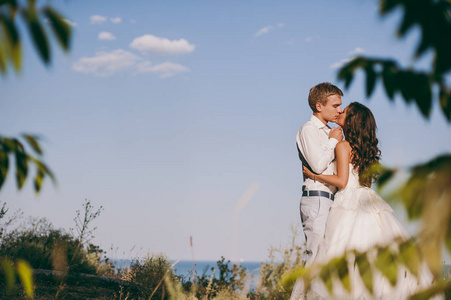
(149,274)
(281,261)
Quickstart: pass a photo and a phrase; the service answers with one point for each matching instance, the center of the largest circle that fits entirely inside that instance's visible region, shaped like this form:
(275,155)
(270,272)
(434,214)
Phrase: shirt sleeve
(309,143)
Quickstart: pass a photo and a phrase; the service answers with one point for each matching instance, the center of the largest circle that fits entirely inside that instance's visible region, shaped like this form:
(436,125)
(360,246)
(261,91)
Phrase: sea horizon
(204,267)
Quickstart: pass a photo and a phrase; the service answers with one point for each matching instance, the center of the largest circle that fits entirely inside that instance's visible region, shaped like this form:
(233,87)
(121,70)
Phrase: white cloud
(106,36)
(133,21)
(97,19)
(73,24)
(340,63)
(308,39)
(152,44)
(263,31)
(116,20)
(357,51)
(164,70)
(267,29)
(110,63)
(106,63)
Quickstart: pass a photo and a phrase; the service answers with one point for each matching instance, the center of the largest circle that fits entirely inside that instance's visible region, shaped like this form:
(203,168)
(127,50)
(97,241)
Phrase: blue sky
(168,113)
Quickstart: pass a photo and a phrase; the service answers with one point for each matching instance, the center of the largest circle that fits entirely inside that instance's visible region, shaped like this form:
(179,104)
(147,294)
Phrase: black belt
(318,193)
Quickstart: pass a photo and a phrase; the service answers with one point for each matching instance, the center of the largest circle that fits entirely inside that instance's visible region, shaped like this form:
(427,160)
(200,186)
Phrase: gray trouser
(314,212)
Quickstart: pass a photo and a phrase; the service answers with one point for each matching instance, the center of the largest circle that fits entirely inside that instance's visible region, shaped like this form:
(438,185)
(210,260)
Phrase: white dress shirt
(317,152)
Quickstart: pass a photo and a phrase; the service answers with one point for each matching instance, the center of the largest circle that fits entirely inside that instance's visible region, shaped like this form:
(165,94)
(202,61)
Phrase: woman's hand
(307,172)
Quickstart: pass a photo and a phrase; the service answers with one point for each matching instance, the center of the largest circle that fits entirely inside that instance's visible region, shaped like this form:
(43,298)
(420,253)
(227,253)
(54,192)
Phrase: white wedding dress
(360,219)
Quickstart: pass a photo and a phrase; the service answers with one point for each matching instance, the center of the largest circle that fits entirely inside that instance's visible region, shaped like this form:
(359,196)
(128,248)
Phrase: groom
(316,143)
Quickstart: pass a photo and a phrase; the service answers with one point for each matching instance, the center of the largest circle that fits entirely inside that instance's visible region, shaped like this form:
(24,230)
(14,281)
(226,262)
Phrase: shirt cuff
(332,142)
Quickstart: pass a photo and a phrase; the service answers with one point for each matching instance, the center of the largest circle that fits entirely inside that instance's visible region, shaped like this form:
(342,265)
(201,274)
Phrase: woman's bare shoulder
(344,146)
(343,143)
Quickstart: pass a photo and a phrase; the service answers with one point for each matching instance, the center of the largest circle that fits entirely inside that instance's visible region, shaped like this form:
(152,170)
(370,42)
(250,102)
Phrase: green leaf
(22,161)
(385,175)
(415,192)
(8,270)
(4,165)
(60,27)
(346,73)
(445,102)
(442,62)
(405,79)
(12,41)
(3,59)
(25,272)
(37,33)
(343,273)
(408,254)
(387,264)
(21,164)
(448,236)
(423,93)
(407,22)
(370,79)
(431,291)
(422,47)
(389,71)
(43,171)
(12,3)
(37,183)
(365,271)
(387,5)
(412,193)
(290,278)
(33,142)
(8,144)
(326,276)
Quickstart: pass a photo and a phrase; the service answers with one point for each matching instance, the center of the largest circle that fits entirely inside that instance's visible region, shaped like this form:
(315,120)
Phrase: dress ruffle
(360,198)
(360,219)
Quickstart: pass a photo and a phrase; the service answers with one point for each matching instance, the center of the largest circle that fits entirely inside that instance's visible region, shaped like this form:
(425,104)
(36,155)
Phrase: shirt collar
(318,123)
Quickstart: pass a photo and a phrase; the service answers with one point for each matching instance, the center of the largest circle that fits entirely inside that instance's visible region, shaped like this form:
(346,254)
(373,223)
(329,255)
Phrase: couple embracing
(354,217)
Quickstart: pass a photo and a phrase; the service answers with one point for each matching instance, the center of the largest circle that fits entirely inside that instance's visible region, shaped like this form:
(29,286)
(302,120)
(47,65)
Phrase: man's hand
(336,133)
(307,172)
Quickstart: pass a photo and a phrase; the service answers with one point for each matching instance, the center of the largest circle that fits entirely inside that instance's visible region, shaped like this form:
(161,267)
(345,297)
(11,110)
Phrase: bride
(359,218)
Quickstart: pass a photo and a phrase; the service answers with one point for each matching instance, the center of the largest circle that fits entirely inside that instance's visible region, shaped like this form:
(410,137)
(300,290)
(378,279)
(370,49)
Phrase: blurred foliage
(426,194)
(392,261)
(8,270)
(14,149)
(414,86)
(25,273)
(36,20)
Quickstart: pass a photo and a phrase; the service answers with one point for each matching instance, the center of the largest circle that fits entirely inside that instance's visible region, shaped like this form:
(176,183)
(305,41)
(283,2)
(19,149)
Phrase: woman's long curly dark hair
(360,131)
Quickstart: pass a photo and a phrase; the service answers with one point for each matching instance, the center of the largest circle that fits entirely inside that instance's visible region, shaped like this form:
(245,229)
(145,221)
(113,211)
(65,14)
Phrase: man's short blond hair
(320,93)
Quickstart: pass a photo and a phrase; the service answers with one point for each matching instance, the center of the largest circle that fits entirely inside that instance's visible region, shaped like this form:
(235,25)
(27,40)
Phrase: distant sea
(185,267)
